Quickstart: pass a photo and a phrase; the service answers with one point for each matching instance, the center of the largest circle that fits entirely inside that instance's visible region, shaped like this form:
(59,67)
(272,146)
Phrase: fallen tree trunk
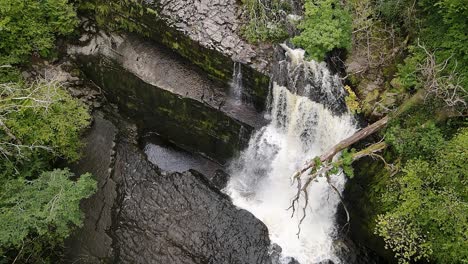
(324,170)
(345,143)
(327,166)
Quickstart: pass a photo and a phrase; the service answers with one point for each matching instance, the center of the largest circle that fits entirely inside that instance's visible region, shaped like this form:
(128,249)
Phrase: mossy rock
(188,123)
(216,65)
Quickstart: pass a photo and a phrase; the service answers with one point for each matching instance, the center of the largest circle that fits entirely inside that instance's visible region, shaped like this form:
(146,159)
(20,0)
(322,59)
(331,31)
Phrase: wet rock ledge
(142,214)
(206,33)
(163,93)
(180,218)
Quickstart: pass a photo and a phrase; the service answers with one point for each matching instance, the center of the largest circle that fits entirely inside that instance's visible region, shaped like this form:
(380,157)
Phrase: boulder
(180,218)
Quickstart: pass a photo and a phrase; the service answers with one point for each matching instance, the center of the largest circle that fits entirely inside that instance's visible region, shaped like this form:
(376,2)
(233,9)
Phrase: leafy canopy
(28,26)
(430,214)
(44,210)
(43,122)
(327,25)
(39,123)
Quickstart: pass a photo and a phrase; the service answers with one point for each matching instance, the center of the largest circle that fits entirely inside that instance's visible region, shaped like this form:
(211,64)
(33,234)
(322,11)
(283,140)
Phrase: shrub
(327,25)
(36,216)
(265,21)
(28,26)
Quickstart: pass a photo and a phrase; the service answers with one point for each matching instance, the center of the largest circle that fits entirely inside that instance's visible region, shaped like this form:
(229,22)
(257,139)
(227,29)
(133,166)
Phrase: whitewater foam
(299,130)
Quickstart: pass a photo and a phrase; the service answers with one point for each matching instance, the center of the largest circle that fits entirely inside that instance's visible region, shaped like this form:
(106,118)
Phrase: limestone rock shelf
(167,95)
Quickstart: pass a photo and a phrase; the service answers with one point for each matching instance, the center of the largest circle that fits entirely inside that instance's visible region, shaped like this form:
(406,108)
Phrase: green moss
(175,118)
(175,45)
(152,11)
(218,66)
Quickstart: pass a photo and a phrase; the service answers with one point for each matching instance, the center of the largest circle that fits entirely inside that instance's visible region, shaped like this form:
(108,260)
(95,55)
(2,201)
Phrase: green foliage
(327,25)
(352,101)
(28,26)
(347,161)
(56,123)
(39,123)
(408,75)
(265,21)
(115,15)
(429,218)
(440,27)
(397,12)
(43,121)
(38,215)
(10,74)
(422,211)
(445,27)
(403,238)
(415,141)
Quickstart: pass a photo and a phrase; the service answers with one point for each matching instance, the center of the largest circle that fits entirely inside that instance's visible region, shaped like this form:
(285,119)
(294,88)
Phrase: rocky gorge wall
(206,33)
(192,111)
(191,124)
(166,95)
(142,214)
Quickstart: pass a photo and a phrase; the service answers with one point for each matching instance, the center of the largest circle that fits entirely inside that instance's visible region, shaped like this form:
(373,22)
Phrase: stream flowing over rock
(305,122)
(153,206)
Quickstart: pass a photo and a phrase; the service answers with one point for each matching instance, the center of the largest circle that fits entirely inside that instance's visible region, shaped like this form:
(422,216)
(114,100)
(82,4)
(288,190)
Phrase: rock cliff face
(206,34)
(93,243)
(163,93)
(213,24)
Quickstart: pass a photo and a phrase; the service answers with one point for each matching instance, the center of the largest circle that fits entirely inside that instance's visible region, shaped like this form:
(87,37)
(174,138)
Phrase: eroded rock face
(161,68)
(212,23)
(163,95)
(141,214)
(93,243)
(180,218)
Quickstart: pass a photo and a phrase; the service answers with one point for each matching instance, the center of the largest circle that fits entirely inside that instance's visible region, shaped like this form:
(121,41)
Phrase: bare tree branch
(324,169)
(361,134)
(348,218)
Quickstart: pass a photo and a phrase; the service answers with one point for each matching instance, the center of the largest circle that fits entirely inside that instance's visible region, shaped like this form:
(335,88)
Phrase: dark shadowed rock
(326,261)
(180,218)
(220,179)
(275,253)
(161,94)
(92,243)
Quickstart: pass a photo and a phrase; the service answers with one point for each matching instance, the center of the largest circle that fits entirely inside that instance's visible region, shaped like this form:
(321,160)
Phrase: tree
(427,196)
(28,26)
(431,212)
(38,122)
(327,25)
(37,215)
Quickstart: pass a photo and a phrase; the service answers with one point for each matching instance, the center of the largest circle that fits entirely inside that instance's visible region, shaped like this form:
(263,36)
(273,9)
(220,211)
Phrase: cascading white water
(261,177)
(236,83)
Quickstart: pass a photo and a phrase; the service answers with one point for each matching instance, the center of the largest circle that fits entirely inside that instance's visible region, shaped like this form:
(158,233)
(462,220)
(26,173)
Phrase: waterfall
(236,83)
(299,129)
